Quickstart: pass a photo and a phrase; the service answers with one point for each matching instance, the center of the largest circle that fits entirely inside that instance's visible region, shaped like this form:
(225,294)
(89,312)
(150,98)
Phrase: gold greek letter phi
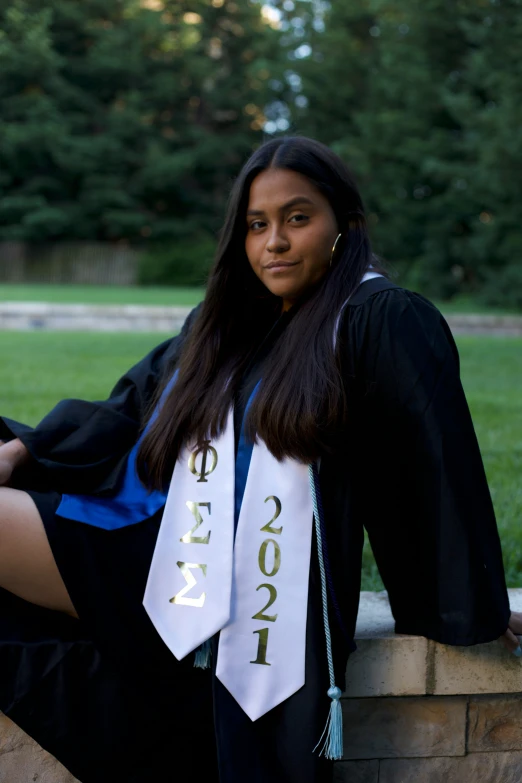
(204,449)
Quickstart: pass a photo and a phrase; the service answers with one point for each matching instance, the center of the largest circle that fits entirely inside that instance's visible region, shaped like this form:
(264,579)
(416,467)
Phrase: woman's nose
(277,241)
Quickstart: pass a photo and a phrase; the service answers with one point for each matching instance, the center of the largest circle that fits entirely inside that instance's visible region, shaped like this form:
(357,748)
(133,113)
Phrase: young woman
(205,523)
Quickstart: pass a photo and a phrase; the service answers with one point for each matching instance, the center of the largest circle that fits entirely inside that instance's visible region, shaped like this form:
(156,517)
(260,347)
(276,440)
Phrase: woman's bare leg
(27,565)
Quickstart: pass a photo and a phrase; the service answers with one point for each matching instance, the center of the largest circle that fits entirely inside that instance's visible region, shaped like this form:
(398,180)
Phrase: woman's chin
(285,292)
(288,300)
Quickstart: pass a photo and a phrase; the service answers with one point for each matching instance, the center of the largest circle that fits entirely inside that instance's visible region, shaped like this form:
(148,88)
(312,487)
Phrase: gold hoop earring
(333,248)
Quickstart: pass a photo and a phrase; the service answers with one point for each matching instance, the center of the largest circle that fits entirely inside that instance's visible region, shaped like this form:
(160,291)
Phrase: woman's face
(291,229)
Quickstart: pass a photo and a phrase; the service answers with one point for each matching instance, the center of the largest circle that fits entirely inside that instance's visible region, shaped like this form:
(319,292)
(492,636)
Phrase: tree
(486,102)
(122,119)
(410,94)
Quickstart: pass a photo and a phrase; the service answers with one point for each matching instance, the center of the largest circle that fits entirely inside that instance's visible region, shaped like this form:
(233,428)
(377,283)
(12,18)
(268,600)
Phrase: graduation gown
(407,467)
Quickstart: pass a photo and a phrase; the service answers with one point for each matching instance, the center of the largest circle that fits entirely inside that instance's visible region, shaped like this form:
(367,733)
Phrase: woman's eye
(258,224)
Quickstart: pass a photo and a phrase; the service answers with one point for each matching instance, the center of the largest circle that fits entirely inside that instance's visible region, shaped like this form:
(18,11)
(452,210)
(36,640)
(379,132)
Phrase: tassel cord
(326,558)
(203,655)
(322,570)
(333,731)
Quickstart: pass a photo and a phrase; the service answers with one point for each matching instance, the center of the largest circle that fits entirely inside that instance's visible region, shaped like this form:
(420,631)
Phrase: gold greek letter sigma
(262,557)
(204,449)
(267,618)
(261,647)
(185,569)
(276,531)
(188,538)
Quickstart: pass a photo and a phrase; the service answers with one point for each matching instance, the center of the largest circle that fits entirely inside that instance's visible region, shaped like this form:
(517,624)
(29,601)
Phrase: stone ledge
(499,325)
(22,760)
(406,727)
(429,720)
(389,664)
(495,723)
(475,768)
(356,772)
(33,316)
(165,318)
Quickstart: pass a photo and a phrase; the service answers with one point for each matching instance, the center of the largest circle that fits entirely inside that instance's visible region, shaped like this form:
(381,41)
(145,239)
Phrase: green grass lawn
(40,368)
(98,294)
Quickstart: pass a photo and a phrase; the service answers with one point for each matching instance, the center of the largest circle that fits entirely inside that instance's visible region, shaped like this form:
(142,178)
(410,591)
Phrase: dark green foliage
(503,287)
(423,99)
(186,262)
(127,119)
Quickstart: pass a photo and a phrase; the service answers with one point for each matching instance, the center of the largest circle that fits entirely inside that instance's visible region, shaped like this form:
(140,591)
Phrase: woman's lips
(280,266)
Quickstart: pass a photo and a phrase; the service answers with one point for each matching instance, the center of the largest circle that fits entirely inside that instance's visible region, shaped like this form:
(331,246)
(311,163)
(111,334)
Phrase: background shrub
(181,263)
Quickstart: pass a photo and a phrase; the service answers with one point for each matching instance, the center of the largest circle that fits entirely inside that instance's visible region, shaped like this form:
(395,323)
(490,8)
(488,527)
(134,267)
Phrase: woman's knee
(27,566)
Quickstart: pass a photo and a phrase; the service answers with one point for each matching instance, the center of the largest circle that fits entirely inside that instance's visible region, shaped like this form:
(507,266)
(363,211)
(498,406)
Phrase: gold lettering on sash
(261,647)
(204,449)
(188,538)
(272,591)
(185,569)
(262,557)
(276,531)
(267,618)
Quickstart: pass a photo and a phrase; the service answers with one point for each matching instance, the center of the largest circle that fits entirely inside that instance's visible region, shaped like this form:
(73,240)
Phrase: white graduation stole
(256,591)
(261,655)
(189,585)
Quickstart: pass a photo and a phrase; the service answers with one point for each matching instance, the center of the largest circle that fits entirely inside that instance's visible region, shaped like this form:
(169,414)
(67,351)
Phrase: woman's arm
(431,524)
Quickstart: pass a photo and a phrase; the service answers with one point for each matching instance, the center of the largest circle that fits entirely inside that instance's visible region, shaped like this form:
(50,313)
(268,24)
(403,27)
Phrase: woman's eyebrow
(291,203)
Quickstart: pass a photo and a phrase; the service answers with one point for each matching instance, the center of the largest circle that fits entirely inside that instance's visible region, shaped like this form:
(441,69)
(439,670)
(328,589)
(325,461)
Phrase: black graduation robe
(407,467)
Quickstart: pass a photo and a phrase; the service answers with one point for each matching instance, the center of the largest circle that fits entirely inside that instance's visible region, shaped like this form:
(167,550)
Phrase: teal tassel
(332,747)
(202,656)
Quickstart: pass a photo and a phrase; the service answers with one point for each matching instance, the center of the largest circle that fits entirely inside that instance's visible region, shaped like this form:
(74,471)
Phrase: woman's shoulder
(381,291)
(382,300)
(387,314)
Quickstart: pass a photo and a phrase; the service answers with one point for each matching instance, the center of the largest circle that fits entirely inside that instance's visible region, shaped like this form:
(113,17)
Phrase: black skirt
(115,704)
(105,572)
(120,707)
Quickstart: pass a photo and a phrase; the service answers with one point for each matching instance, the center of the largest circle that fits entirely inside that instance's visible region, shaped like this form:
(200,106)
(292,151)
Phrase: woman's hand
(12,455)
(509,639)
(6,467)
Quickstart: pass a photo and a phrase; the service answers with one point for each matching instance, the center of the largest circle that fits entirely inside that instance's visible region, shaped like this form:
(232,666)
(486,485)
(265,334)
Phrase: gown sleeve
(428,510)
(79,446)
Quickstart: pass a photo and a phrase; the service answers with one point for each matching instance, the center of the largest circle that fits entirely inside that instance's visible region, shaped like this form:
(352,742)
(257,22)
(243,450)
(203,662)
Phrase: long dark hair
(301,397)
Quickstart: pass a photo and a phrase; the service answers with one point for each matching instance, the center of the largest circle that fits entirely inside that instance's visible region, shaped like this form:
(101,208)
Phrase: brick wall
(423,739)
(414,712)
